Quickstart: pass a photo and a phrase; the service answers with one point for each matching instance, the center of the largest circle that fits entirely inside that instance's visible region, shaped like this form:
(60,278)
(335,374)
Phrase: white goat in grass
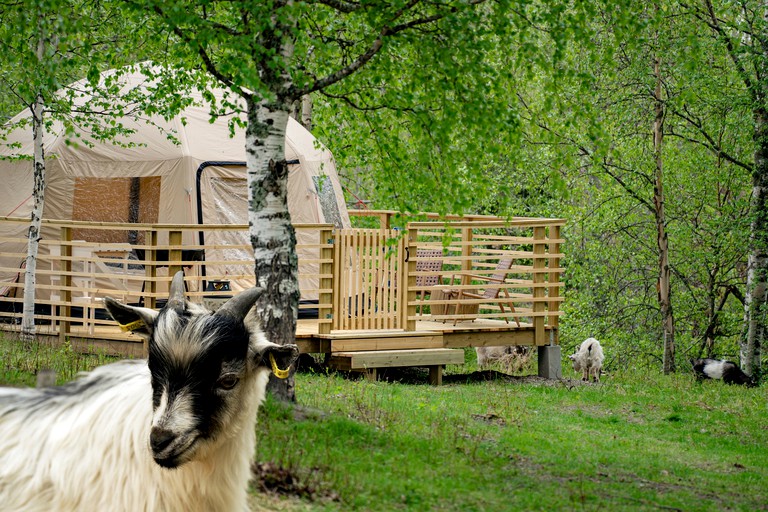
(174,433)
(588,359)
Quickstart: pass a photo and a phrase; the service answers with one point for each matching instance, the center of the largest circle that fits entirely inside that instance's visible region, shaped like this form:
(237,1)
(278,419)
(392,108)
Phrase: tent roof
(197,137)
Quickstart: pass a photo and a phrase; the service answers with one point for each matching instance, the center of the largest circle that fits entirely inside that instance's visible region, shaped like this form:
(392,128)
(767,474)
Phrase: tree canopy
(505,107)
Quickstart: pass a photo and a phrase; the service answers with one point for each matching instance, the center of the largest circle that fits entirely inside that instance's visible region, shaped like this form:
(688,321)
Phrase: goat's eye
(228,382)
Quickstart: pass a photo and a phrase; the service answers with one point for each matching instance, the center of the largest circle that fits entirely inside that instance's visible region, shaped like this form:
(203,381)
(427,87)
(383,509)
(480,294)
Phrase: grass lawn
(635,441)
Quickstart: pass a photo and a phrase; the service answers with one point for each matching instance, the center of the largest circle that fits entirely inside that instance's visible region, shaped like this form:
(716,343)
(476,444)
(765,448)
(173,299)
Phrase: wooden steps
(370,360)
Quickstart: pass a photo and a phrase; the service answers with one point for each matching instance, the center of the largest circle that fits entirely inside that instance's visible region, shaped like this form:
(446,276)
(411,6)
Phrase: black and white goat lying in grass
(726,370)
(177,434)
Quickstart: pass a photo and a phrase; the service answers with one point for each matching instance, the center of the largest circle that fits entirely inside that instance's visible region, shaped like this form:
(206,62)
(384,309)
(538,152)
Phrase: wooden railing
(354,279)
(73,275)
(471,247)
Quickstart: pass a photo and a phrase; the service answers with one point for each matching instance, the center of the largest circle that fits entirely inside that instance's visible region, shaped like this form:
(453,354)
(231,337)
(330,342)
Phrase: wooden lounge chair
(426,260)
(493,287)
(433,263)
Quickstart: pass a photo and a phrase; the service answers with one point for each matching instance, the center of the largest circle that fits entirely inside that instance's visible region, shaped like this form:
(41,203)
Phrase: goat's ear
(278,358)
(131,318)
(572,357)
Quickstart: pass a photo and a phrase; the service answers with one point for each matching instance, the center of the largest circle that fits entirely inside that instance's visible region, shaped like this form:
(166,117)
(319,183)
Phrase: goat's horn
(176,294)
(239,305)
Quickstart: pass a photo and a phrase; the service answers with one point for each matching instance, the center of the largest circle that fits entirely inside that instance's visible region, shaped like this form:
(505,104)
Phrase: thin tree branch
(202,53)
(715,25)
(710,143)
(375,47)
(618,179)
(341,6)
(346,99)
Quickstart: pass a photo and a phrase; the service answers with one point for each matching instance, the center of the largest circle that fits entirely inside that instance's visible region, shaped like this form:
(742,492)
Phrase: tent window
(230,198)
(327,197)
(115,200)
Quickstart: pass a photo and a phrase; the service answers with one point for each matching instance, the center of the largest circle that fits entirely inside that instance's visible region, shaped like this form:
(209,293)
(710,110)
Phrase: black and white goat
(176,433)
(728,371)
(588,359)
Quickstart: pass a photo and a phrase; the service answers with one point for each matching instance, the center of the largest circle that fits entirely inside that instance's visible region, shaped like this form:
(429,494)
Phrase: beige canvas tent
(150,179)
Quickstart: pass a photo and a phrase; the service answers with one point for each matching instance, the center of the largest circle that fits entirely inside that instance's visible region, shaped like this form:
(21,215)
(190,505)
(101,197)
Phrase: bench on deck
(369,361)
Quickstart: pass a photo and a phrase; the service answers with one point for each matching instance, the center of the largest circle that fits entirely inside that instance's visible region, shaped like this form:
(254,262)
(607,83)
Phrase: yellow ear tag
(280,374)
(136,324)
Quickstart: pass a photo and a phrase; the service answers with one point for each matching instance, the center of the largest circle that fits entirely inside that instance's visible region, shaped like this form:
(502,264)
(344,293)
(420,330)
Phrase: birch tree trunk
(664,287)
(38,192)
(755,309)
(33,239)
(272,235)
(755,321)
(301,111)
(306,112)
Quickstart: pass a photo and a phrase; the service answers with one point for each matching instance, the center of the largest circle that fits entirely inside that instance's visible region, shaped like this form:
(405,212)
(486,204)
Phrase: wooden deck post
(408,295)
(174,252)
(554,291)
(539,277)
(385,219)
(466,264)
(327,282)
(436,375)
(65,311)
(150,269)
(338,278)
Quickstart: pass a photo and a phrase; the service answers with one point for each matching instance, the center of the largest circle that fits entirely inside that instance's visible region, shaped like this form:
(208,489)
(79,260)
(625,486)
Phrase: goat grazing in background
(509,358)
(174,433)
(588,359)
(728,371)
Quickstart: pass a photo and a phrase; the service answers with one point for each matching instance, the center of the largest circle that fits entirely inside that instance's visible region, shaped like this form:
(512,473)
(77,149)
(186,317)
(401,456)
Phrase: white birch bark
(272,235)
(756,296)
(28,312)
(38,162)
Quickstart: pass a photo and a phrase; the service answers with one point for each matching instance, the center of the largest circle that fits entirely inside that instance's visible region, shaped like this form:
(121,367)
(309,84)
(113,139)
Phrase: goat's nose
(160,438)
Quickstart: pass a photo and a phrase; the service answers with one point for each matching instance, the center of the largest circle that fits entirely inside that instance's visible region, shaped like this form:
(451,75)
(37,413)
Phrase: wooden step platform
(369,340)
(369,361)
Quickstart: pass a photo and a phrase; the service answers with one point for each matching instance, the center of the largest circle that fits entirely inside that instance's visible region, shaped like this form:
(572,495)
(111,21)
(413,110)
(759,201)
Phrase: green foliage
(79,41)
(571,88)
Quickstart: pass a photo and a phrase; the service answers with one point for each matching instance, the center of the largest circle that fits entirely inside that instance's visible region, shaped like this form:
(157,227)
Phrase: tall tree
(425,60)
(47,49)
(656,230)
(662,239)
(38,61)
(742,31)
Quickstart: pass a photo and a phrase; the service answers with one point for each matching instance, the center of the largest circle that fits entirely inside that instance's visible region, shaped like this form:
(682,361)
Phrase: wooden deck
(423,286)
(428,334)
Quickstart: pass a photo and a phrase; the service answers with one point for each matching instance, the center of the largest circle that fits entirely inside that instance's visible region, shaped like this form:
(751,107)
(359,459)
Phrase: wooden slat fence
(368,269)
(359,279)
(74,276)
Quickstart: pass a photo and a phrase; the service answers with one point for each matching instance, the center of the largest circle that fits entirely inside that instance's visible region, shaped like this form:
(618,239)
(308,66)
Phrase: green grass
(633,442)
(20,362)
(636,441)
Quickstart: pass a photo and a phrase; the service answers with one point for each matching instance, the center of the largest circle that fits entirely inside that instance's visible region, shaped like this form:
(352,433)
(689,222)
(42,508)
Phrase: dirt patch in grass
(269,478)
(493,375)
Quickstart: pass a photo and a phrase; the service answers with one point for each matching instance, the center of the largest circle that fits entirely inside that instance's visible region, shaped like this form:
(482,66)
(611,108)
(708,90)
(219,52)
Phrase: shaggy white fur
(177,434)
(85,447)
(588,359)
